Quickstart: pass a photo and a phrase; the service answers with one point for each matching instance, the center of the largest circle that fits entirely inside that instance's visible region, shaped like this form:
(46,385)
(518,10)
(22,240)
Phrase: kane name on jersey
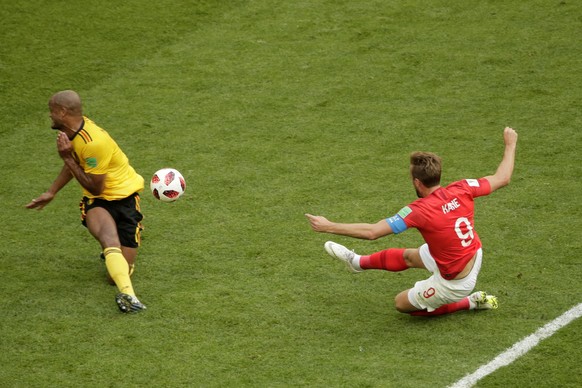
(445,220)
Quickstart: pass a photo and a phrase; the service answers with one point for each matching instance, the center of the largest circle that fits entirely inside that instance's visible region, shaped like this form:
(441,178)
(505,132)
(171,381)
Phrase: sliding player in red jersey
(444,217)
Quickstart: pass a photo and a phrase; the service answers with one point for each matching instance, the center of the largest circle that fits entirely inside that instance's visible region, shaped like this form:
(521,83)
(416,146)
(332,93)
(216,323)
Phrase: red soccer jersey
(445,220)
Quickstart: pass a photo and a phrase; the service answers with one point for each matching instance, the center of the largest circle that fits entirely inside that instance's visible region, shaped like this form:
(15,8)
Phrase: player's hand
(510,136)
(64,145)
(318,223)
(41,201)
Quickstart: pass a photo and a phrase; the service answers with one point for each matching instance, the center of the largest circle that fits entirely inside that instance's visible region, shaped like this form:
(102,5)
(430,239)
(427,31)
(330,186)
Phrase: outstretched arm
(358,230)
(61,181)
(502,176)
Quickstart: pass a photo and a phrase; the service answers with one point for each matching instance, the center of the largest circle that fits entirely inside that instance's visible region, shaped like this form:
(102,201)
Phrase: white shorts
(435,291)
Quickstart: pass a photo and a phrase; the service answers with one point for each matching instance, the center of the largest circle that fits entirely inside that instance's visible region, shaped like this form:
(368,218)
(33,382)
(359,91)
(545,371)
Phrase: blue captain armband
(397,224)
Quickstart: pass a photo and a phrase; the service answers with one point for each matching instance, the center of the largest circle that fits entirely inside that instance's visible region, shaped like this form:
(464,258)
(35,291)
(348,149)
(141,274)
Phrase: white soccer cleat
(483,301)
(341,253)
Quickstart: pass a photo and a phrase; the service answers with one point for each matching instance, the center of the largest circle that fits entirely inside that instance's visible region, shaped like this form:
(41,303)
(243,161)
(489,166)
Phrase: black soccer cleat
(128,303)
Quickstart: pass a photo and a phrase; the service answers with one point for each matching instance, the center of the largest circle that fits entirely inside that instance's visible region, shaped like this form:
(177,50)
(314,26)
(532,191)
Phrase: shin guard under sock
(389,259)
(463,304)
(118,270)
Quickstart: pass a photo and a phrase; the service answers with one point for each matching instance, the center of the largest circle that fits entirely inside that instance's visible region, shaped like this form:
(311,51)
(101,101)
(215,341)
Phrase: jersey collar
(79,130)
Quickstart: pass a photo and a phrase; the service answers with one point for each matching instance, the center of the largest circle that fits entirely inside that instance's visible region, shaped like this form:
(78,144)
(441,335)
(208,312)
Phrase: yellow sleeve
(96,157)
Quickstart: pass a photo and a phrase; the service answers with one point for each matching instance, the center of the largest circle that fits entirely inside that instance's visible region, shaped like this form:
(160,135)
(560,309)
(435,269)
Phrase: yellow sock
(118,270)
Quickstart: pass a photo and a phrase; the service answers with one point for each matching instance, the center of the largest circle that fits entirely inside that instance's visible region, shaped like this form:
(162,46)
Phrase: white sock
(472,303)
(356,262)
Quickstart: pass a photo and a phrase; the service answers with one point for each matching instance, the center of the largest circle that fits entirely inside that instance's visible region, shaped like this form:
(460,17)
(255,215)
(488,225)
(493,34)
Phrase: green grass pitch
(272,109)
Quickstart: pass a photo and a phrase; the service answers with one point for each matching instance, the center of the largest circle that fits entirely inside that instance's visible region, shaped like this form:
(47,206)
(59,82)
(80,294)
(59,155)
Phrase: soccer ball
(167,185)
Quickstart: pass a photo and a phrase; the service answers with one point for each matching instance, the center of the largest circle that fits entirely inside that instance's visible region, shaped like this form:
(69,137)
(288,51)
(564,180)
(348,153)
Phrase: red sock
(390,260)
(463,304)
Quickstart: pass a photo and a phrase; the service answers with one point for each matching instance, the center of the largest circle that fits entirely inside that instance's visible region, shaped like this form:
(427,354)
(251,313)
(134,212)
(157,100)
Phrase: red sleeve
(478,187)
(411,215)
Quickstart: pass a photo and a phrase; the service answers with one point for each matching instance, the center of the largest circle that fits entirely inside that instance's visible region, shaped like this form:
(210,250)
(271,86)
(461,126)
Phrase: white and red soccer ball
(167,185)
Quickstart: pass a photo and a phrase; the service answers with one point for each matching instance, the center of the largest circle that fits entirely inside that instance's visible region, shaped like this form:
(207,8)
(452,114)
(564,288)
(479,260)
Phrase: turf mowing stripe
(520,348)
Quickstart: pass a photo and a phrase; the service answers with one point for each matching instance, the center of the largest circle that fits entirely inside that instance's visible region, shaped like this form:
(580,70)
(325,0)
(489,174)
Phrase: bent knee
(413,259)
(403,308)
(402,304)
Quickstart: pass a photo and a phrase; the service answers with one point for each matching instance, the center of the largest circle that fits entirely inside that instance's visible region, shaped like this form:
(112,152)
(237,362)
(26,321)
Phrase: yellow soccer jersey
(99,154)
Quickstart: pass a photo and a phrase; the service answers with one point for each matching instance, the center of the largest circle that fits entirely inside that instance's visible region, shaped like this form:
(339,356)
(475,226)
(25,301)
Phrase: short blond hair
(426,167)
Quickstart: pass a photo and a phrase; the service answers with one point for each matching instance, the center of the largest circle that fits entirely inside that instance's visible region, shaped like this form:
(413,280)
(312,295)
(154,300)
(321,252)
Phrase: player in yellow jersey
(110,205)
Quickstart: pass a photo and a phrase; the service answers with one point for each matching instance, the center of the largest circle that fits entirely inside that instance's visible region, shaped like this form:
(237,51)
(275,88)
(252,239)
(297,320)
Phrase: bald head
(66,111)
(69,100)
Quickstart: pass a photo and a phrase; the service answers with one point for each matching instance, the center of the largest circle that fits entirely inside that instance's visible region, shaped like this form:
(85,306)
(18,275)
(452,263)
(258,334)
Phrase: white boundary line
(520,348)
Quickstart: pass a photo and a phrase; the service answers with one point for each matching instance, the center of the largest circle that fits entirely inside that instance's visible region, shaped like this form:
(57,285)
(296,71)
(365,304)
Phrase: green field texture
(272,109)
